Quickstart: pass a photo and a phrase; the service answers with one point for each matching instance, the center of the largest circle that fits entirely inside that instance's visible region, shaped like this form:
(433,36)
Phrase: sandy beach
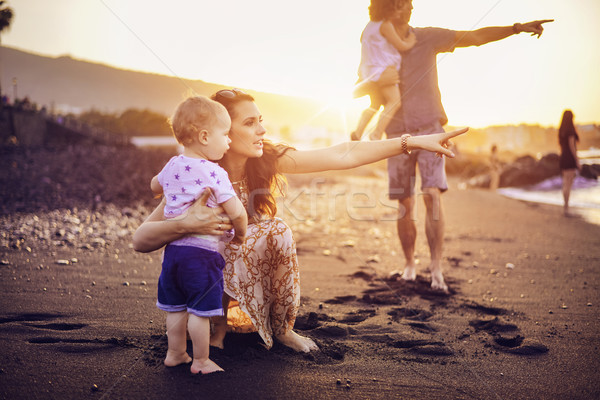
(521,321)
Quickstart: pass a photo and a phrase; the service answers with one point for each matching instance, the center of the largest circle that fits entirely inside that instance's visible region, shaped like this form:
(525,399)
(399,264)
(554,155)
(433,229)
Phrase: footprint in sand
(485,309)
(29,317)
(423,347)
(515,344)
(62,344)
(413,314)
(358,316)
(492,326)
(58,326)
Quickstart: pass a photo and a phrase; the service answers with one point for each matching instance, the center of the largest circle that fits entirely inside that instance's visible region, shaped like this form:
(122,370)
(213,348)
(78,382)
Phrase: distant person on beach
(379,65)
(422,113)
(495,168)
(569,162)
(262,274)
(190,287)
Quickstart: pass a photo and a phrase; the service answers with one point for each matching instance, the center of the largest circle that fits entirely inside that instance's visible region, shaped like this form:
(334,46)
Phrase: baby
(190,287)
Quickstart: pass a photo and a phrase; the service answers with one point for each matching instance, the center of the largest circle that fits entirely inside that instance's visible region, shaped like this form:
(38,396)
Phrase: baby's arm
(237,214)
(388,31)
(156,186)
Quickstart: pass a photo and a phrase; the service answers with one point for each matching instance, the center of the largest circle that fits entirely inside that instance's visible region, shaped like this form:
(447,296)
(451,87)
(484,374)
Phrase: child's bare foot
(217,338)
(299,343)
(410,272)
(207,366)
(437,279)
(172,359)
(354,136)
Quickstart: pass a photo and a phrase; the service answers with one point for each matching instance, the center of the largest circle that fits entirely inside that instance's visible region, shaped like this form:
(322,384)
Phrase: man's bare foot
(217,338)
(410,272)
(173,360)
(207,366)
(437,279)
(299,343)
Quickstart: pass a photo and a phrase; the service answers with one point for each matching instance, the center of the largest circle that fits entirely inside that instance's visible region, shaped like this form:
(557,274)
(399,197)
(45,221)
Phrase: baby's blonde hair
(193,115)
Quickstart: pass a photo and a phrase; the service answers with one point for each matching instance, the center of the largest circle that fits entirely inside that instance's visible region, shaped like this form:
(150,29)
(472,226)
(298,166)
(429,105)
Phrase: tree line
(131,122)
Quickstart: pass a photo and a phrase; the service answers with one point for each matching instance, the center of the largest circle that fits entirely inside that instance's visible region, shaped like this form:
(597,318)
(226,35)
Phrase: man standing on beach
(422,113)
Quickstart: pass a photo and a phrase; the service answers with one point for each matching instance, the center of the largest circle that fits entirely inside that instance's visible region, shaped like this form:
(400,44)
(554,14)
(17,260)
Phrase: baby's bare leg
(176,335)
(391,96)
(365,118)
(199,328)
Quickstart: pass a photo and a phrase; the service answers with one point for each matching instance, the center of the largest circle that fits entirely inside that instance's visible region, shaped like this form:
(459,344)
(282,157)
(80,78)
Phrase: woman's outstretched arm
(354,154)
(156,231)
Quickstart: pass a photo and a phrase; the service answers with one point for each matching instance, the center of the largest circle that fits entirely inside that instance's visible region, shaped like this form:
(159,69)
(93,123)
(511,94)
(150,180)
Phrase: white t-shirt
(183,179)
(376,53)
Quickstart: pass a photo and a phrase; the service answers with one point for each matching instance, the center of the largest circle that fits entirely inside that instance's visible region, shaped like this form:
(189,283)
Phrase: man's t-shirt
(421,98)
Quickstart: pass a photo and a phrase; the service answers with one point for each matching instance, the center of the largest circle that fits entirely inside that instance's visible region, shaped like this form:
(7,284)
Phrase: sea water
(585,193)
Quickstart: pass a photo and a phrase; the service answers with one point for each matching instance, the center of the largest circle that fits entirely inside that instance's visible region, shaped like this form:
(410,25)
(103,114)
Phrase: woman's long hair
(566,125)
(264,180)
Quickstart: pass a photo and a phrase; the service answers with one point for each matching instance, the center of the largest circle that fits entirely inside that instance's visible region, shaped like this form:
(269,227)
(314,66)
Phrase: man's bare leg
(217,337)
(407,233)
(434,230)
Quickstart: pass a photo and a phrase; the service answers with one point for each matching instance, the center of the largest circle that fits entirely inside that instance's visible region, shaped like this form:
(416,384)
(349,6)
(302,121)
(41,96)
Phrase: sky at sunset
(311,48)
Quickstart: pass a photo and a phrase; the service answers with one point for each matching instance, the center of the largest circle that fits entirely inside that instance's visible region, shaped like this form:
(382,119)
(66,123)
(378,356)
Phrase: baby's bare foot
(174,359)
(207,366)
(299,343)
(375,136)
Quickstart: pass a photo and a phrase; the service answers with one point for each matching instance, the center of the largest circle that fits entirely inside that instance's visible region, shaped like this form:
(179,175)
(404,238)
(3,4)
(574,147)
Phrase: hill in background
(64,84)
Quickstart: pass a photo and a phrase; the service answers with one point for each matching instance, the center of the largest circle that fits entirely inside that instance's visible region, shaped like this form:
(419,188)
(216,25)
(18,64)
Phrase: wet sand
(521,320)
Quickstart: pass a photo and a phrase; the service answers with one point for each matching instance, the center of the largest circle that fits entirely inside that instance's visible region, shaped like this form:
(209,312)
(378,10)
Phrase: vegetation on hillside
(131,122)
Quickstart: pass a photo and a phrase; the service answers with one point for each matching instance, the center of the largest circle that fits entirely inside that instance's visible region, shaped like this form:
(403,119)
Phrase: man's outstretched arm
(495,33)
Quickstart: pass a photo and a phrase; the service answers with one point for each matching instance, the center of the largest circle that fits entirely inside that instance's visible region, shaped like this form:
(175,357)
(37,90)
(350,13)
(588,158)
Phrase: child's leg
(220,325)
(365,117)
(199,328)
(176,335)
(391,96)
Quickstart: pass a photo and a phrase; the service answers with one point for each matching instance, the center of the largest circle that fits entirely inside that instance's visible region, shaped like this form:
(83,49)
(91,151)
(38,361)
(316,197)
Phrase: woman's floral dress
(262,275)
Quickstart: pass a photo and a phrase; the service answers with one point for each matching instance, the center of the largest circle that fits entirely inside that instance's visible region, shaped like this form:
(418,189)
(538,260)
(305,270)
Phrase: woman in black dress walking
(569,162)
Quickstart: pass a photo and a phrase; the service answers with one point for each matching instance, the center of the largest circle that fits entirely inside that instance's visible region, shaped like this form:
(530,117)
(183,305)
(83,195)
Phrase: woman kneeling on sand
(262,274)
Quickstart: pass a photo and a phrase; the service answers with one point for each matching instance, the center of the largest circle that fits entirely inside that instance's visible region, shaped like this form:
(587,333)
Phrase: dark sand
(90,329)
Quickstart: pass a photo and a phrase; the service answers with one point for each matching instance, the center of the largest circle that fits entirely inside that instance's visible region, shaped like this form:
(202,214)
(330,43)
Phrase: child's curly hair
(382,9)
(193,115)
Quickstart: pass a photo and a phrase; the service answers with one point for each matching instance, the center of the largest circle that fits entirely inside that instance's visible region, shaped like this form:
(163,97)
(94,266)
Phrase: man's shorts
(402,170)
(191,280)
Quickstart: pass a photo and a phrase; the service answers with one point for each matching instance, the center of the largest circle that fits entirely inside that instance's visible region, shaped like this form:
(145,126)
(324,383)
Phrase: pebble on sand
(374,259)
